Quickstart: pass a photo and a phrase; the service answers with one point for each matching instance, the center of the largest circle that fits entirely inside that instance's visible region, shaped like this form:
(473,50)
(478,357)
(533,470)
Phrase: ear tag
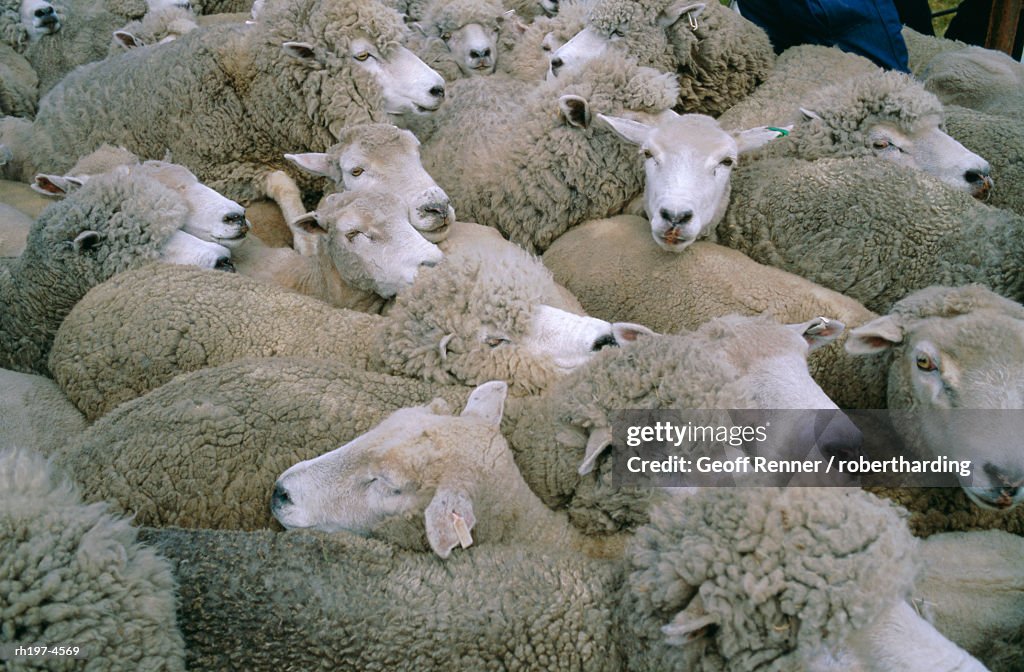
(693,20)
(462,530)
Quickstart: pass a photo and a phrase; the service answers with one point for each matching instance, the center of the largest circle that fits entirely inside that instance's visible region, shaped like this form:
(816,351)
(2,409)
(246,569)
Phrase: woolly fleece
(870,230)
(205,449)
(617,275)
(76,575)
(35,414)
(133,215)
(19,84)
(1000,140)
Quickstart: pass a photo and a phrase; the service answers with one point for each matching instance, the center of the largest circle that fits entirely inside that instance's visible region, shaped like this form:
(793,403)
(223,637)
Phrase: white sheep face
(212,217)
(930,149)
(39,18)
(688,162)
(391,165)
(944,368)
(371,242)
(475,48)
(408,85)
(417,468)
(185,249)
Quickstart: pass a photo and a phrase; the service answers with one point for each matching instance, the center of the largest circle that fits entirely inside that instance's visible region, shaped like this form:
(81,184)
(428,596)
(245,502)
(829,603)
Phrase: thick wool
(136,333)
(205,449)
(75,575)
(921,48)
(979,79)
(133,215)
(234,104)
(19,84)
(871,230)
(699,370)
(1000,139)
(443,17)
(357,604)
(535,176)
(718,64)
(612,268)
(155,26)
(527,60)
(12,32)
(35,414)
(782,573)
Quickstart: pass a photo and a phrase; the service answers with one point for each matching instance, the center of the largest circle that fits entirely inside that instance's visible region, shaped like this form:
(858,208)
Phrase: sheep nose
(676,218)
(224,264)
(44,11)
(438,208)
(556,63)
(605,341)
(428,264)
(836,435)
(279,498)
(235,218)
(437,91)
(976,177)
(480,53)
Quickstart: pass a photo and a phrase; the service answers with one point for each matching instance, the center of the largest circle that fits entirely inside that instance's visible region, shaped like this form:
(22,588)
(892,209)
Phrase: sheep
(560,437)
(25,21)
(921,49)
(719,56)
(975,598)
(76,576)
(458,324)
(19,84)
(531,10)
(116,222)
(369,252)
(956,348)
(866,113)
(869,229)
(219,437)
(14,228)
(156,27)
(35,414)
(607,266)
(527,58)
(397,609)
(1000,139)
(368,157)
(546,168)
(294,78)
(980,79)
(460,38)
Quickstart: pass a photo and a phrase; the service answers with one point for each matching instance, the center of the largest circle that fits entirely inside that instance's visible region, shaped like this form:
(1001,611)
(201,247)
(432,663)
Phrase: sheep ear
(85,241)
(600,438)
(809,114)
(627,129)
(575,110)
(627,332)
(487,402)
(310,224)
(449,519)
(55,186)
(876,336)
(679,9)
(317,164)
(758,137)
(303,51)
(819,332)
(127,40)
(690,624)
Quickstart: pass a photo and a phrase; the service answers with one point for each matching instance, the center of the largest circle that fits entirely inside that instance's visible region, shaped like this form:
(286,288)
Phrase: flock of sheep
(235,236)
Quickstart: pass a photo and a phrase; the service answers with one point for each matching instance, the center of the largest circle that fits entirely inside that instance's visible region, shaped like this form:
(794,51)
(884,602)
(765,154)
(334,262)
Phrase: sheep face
(39,18)
(407,84)
(947,364)
(417,469)
(370,241)
(381,157)
(628,28)
(468,323)
(475,47)
(212,217)
(185,249)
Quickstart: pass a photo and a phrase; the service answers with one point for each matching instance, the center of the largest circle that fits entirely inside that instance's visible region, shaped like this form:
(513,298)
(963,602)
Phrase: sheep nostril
(428,264)
(234,218)
(976,176)
(43,11)
(437,91)
(556,63)
(479,53)
(279,497)
(605,341)
(676,218)
(224,264)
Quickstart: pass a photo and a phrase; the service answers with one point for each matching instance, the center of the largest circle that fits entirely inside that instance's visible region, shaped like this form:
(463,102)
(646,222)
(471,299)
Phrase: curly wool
(782,573)
(1000,140)
(12,32)
(466,303)
(249,97)
(76,575)
(447,16)
(205,449)
(540,176)
(84,37)
(155,26)
(525,58)
(934,510)
(19,85)
(133,214)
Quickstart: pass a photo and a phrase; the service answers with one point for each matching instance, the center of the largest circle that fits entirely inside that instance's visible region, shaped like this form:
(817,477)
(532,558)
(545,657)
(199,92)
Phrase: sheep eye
(356,172)
(362,56)
(351,235)
(647,153)
(495,341)
(880,144)
(618,33)
(728,162)
(925,363)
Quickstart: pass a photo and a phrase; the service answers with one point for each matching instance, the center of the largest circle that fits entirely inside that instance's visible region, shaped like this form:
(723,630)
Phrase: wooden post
(1002,25)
